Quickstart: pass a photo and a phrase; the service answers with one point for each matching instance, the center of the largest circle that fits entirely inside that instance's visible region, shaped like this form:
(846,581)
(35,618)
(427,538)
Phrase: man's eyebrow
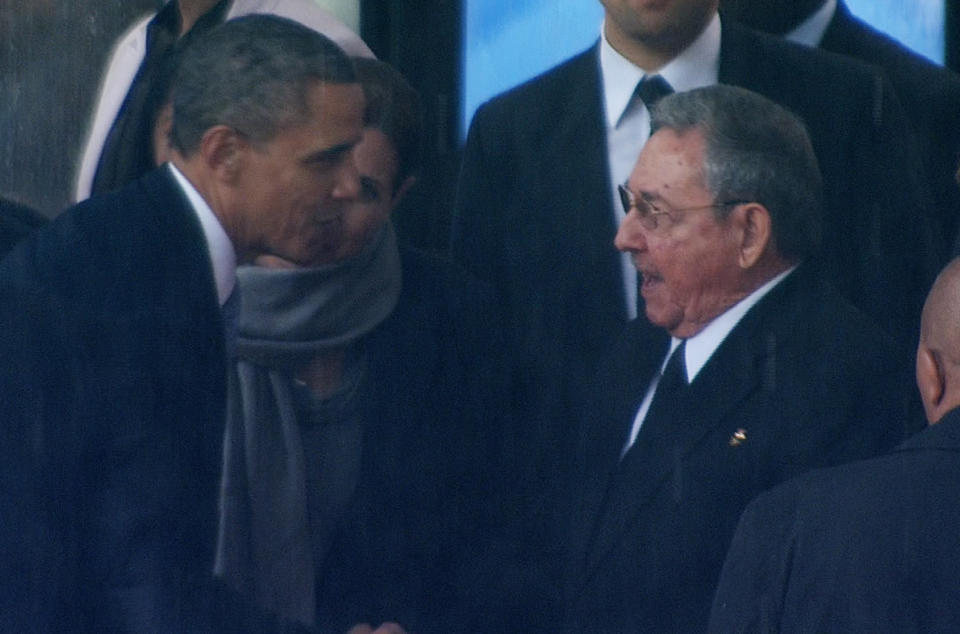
(330,153)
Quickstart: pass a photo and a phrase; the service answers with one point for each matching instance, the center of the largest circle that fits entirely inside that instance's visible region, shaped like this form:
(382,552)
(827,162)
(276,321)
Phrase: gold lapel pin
(738,437)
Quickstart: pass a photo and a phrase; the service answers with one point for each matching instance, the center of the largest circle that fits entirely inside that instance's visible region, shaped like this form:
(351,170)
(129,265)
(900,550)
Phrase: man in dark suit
(930,94)
(535,212)
(870,546)
(113,343)
(757,370)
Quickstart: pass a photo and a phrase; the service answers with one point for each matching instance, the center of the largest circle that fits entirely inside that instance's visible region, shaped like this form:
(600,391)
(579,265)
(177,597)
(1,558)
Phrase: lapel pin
(738,437)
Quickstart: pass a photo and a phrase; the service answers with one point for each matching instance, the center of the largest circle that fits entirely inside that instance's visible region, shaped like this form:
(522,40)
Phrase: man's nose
(630,235)
(348,180)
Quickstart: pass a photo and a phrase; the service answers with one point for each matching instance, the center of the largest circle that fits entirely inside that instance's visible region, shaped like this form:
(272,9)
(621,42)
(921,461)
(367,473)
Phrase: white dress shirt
(222,254)
(628,124)
(701,347)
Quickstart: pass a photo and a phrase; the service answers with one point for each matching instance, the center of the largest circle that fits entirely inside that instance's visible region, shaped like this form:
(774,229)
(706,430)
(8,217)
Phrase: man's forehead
(669,155)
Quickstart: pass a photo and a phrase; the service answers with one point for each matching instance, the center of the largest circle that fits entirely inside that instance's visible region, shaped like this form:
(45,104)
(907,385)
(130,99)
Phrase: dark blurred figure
(17,222)
(753,371)
(930,94)
(363,411)
(870,546)
(129,127)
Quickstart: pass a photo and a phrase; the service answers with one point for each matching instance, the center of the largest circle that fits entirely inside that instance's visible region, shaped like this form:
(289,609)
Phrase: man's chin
(667,319)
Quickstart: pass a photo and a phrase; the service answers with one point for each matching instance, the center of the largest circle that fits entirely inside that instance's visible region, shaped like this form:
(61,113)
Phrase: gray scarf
(290,314)
(287,316)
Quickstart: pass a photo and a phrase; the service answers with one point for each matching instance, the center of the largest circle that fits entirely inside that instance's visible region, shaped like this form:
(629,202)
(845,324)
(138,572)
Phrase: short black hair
(393,107)
(253,74)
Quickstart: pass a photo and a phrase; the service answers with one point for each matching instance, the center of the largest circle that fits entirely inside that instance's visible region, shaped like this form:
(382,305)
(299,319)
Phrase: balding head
(938,354)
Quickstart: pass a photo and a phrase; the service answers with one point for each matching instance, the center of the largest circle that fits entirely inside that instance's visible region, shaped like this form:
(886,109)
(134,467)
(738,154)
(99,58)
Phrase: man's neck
(651,54)
(191,11)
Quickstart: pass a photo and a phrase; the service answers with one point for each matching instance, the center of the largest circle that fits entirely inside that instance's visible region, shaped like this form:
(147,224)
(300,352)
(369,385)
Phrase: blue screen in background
(509,41)
(916,23)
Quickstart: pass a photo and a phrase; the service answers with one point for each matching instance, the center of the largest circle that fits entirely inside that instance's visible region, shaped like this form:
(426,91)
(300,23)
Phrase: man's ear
(222,149)
(931,380)
(756,231)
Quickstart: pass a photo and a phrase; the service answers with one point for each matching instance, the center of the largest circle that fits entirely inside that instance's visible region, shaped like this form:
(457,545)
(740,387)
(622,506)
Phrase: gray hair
(252,74)
(756,151)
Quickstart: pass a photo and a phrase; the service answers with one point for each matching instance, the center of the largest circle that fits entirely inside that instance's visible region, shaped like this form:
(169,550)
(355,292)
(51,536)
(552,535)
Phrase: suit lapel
(618,390)
(580,131)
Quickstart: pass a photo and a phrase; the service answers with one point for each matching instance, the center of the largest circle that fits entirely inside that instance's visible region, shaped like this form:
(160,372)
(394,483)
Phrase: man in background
(930,94)
(129,126)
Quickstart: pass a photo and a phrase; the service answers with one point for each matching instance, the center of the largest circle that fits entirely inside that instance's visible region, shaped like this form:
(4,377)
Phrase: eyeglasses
(649,214)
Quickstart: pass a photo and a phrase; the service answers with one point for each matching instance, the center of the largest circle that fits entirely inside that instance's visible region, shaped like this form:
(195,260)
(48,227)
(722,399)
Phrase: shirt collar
(702,345)
(222,254)
(698,65)
(811,30)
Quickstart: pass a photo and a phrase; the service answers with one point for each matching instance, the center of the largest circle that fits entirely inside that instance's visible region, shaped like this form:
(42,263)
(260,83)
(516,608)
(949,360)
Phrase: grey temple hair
(756,151)
(252,74)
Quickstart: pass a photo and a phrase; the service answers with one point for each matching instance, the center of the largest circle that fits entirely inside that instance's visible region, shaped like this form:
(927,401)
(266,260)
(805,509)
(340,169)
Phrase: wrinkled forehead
(670,159)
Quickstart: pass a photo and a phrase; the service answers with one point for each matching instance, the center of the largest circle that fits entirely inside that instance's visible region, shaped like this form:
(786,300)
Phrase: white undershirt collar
(698,65)
(222,254)
(702,345)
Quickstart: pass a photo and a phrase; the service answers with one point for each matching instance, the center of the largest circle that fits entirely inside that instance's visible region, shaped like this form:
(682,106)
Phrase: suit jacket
(930,95)
(131,48)
(112,414)
(865,547)
(17,222)
(798,376)
(534,212)
(433,404)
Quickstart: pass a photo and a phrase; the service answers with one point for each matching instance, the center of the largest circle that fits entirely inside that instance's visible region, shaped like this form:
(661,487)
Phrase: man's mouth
(650,279)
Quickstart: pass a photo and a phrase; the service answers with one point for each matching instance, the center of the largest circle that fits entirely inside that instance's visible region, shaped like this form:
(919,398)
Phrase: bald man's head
(938,354)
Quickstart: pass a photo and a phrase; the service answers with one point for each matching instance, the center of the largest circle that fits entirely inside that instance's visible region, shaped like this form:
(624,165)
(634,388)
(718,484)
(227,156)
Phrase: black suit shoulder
(127,240)
(116,432)
(930,95)
(800,77)
(879,235)
(858,547)
(917,79)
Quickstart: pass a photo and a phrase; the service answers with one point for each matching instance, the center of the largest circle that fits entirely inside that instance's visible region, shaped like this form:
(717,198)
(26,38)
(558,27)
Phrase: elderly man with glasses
(747,370)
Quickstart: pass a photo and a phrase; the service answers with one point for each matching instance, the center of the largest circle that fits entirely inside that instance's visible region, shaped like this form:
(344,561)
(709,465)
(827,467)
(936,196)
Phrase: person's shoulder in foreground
(864,546)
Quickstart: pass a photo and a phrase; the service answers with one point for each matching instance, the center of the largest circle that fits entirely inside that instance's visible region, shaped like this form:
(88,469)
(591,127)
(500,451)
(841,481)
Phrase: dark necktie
(657,426)
(655,438)
(651,89)
(671,384)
